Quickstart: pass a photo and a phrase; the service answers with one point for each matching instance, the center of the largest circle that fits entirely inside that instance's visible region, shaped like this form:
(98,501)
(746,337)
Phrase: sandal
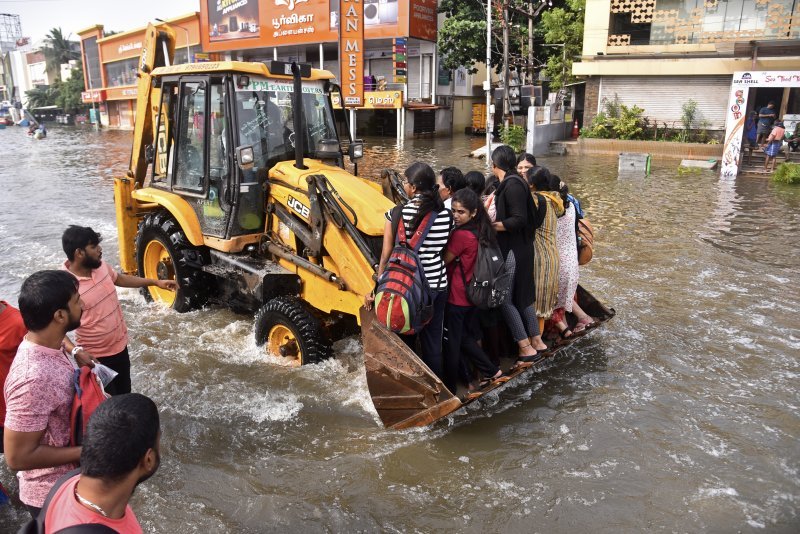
(583,324)
(565,333)
(499,378)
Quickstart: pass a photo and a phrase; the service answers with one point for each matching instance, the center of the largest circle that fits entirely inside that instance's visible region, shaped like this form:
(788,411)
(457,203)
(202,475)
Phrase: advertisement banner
(737,110)
(422,19)
(351,52)
(232,19)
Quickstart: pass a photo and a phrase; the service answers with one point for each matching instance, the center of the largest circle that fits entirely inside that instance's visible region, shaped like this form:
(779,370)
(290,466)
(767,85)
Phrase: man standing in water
(102,334)
(39,390)
(120,451)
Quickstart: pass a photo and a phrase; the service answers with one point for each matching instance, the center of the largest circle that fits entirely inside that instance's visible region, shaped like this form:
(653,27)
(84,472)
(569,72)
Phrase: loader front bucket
(403,389)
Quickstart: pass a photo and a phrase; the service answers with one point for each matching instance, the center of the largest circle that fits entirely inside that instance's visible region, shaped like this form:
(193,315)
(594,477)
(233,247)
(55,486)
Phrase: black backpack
(36,526)
(490,285)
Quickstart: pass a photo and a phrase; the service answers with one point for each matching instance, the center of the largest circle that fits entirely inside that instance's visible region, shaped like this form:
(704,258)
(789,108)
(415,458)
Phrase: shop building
(404,86)
(110,64)
(399,55)
(659,54)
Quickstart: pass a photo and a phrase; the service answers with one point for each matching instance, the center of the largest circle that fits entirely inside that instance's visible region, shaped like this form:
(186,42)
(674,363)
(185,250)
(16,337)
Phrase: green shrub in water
(513,136)
(787,173)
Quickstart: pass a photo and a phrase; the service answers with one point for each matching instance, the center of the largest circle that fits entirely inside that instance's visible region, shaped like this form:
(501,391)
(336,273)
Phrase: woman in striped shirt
(420,185)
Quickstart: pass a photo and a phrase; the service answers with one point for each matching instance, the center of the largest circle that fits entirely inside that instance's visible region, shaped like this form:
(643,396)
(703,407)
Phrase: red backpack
(403,299)
(89,395)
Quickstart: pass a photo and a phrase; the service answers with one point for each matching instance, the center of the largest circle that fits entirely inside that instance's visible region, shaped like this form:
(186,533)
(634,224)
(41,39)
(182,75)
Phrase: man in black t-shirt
(766,117)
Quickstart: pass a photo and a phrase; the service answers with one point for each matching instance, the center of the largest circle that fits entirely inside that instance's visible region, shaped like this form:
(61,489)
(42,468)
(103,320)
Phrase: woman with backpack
(419,183)
(550,207)
(515,224)
(473,230)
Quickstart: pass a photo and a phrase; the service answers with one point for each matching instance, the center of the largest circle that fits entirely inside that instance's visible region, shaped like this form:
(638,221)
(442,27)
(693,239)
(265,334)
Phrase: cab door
(201,166)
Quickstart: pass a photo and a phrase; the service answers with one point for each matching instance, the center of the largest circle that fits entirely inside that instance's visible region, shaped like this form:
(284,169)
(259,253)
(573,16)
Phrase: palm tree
(59,50)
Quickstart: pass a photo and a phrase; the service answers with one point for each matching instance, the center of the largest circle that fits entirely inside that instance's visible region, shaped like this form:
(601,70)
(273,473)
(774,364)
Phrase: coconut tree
(59,49)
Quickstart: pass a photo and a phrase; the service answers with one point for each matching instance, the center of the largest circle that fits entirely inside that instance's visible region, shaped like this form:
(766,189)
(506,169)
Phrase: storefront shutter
(662,97)
(382,67)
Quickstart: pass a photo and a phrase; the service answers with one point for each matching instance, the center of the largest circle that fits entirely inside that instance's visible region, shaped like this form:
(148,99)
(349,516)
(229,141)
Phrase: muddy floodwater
(679,415)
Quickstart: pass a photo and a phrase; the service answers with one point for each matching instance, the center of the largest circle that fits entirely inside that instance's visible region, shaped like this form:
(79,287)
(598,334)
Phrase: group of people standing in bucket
(525,212)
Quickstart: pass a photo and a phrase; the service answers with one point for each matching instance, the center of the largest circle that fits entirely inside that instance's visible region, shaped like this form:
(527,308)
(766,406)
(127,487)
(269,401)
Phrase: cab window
(190,169)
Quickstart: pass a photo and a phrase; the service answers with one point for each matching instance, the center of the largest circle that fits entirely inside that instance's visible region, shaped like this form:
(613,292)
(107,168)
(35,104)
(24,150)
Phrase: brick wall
(591,99)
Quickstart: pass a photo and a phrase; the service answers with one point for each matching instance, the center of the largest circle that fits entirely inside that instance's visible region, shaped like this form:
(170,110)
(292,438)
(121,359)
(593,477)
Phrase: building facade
(110,64)
(404,85)
(659,54)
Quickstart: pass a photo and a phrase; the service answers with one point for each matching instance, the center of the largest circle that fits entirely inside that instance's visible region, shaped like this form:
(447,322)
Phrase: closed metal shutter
(662,97)
(382,67)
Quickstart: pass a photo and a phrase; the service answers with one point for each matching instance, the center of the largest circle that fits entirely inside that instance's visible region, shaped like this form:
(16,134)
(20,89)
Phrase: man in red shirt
(120,451)
(39,390)
(102,334)
(12,330)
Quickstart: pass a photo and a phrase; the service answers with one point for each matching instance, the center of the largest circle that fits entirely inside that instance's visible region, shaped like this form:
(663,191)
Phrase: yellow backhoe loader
(237,189)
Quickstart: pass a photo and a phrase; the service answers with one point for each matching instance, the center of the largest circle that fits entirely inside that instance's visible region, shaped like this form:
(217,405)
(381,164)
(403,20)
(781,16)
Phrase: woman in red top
(472,226)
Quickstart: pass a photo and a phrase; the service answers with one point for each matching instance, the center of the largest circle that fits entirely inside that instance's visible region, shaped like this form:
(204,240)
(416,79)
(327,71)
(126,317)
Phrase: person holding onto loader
(102,334)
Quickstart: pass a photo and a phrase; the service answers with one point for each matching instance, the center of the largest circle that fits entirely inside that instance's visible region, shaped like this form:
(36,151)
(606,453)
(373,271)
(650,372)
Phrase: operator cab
(218,135)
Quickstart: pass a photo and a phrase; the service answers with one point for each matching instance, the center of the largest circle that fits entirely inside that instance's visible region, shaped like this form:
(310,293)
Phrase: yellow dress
(545,259)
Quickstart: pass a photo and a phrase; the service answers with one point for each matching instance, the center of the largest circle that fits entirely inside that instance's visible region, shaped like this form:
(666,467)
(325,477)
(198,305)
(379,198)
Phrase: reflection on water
(679,415)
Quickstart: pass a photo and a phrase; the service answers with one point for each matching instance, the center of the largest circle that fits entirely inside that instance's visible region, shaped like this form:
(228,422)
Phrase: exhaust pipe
(298,116)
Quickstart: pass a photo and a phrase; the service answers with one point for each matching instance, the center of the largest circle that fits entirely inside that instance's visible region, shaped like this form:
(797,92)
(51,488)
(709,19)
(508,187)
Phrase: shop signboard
(351,52)
(234,19)
(383,99)
(737,110)
(375,100)
(97,95)
(422,19)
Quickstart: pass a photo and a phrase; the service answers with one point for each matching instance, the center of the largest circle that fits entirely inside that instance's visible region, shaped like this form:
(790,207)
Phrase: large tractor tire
(287,328)
(164,253)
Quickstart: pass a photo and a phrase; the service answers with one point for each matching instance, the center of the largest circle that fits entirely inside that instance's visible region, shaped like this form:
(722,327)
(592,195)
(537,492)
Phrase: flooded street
(679,415)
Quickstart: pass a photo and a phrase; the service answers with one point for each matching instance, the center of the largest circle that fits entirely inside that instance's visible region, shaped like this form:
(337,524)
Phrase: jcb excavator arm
(157,51)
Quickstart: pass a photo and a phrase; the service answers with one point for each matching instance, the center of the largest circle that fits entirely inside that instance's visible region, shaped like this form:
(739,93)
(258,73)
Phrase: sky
(39,16)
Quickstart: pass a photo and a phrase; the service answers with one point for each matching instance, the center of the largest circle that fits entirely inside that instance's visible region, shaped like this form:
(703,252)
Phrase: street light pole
(488,82)
(188,48)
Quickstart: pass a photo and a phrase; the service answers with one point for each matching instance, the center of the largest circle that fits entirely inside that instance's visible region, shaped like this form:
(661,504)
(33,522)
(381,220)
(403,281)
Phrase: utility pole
(488,83)
(506,100)
(530,43)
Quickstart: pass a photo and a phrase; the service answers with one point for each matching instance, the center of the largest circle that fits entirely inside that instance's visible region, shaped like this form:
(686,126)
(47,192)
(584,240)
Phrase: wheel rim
(157,264)
(282,342)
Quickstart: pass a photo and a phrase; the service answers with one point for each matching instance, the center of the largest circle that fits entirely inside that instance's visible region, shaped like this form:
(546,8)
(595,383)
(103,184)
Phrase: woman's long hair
(421,176)
(539,177)
(557,185)
(472,202)
(504,158)
(527,157)
(476,181)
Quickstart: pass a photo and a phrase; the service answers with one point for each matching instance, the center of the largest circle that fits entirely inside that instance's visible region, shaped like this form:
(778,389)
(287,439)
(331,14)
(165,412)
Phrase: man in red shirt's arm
(12,330)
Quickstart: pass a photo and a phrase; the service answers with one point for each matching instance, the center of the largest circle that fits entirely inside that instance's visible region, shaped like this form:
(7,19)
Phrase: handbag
(585,238)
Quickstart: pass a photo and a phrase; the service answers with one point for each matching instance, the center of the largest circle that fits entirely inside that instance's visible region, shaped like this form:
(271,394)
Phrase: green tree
(462,35)
(41,96)
(563,25)
(59,49)
(69,92)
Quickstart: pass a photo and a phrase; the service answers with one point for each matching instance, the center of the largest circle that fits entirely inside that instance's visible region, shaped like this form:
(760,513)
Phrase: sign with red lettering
(351,51)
